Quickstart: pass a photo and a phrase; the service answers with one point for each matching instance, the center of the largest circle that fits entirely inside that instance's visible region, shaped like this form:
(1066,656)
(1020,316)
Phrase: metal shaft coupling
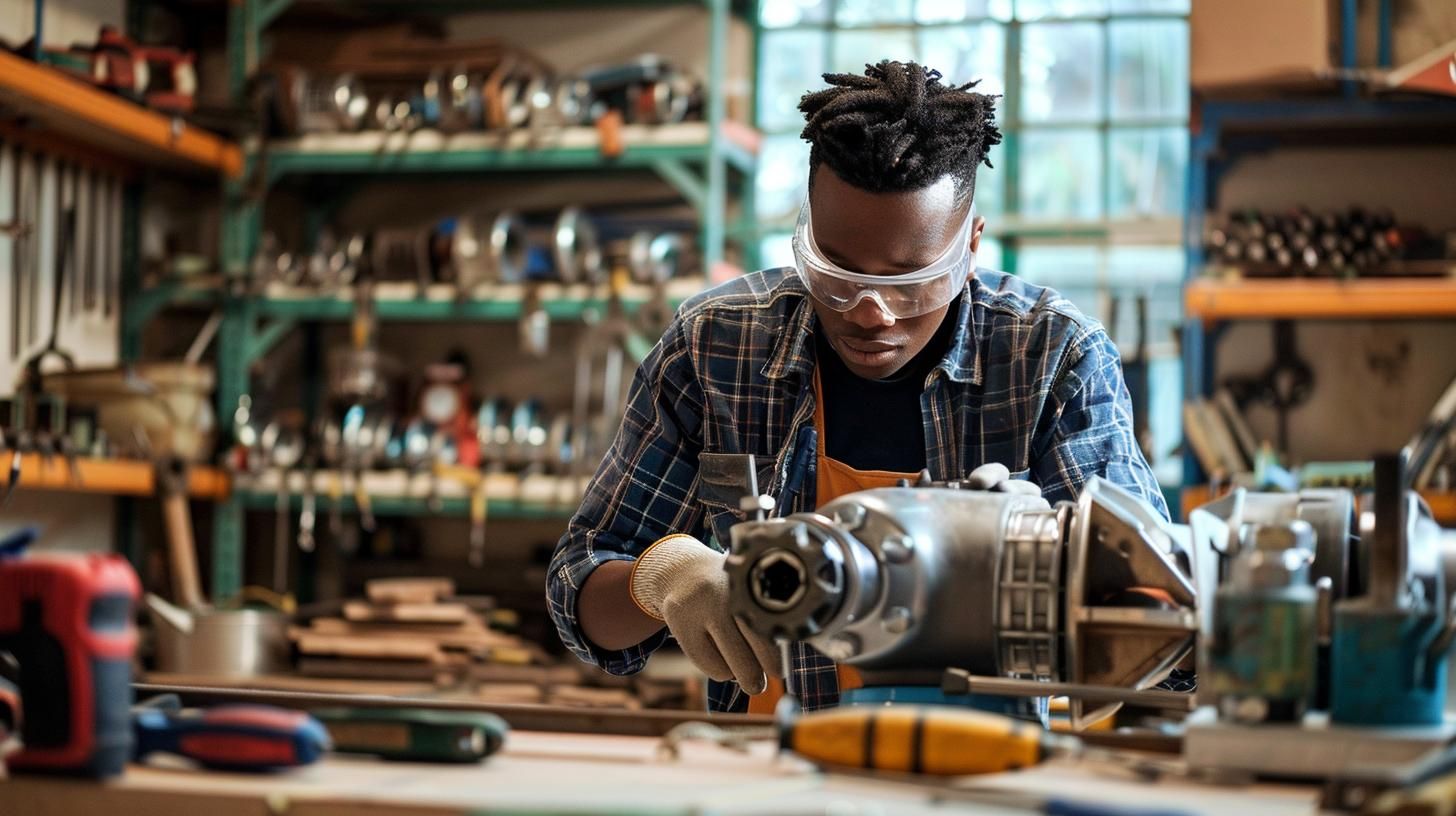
(905,582)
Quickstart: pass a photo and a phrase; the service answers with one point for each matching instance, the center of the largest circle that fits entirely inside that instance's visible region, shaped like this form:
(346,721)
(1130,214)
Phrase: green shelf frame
(327,308)
(484,152)
(697,168)
(415,506)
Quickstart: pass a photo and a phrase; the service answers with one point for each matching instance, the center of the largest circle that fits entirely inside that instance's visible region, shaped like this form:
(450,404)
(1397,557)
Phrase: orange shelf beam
(95,118)
(1215,300)
(113,477)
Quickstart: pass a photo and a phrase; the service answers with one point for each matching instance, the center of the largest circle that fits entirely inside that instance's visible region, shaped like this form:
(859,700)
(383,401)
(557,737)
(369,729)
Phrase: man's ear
(976,229)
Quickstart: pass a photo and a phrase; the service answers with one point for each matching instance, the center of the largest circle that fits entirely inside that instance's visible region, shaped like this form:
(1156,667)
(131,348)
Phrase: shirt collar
(793,351)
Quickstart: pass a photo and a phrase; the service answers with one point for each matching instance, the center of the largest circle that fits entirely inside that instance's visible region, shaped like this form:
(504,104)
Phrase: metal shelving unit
(405,493)
(1231,130)
(694,158)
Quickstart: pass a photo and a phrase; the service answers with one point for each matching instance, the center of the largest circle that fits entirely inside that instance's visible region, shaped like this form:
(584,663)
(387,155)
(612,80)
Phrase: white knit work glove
(681,581)
(996,476)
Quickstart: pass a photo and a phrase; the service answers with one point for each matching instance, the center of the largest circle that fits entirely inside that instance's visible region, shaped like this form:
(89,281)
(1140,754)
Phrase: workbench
(594,773)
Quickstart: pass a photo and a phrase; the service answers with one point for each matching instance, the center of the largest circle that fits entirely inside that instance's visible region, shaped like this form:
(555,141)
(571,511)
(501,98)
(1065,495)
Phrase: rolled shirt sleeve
(644,489)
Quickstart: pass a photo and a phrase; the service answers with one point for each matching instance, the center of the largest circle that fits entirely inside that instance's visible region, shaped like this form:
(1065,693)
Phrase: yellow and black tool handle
(916,739)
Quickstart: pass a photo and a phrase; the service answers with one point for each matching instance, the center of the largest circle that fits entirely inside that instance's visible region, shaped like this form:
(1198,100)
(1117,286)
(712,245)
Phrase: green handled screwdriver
(413,734)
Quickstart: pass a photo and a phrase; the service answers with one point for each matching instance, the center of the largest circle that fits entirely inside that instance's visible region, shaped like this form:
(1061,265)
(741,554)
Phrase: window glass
(856,48)
(1061,72)
(1042,9)
(1149,68)
(789,58)
(1150,6)
(953,11)
(783,13)
(783,177)
(868,12)
(1061,175)
(1146,172)
(967,53)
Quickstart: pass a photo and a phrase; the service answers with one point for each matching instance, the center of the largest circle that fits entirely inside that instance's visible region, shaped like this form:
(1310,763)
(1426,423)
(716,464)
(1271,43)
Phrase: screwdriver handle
(917,739)
(231,737)
(417,735)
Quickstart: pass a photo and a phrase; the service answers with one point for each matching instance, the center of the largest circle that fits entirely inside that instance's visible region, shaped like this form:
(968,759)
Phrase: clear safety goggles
(902,296)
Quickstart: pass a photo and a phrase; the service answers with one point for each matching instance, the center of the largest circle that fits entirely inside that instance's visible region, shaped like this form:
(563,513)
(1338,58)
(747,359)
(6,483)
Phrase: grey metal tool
(85,239)
(576,249)
(308,514)
(283,445)
(111,289)
(23,247)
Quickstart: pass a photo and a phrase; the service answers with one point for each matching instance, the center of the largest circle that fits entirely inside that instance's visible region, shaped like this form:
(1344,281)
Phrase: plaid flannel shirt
(1028,381)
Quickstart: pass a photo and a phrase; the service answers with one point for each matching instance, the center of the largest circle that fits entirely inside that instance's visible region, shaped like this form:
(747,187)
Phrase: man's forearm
(606,612)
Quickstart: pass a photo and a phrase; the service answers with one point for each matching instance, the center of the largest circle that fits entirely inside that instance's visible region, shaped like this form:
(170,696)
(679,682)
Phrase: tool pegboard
(61,246)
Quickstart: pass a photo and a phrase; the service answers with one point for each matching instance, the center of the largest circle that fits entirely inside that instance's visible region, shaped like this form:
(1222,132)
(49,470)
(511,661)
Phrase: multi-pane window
(1087,193)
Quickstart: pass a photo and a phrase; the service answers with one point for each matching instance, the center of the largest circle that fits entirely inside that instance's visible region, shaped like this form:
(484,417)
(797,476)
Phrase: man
(884,352)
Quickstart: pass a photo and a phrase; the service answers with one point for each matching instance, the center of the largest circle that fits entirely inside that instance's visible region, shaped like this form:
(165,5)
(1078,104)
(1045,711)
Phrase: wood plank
(114,477)
(290,682)
(456,637)
(1213,300)
(400,671)
(368,647)
(84,113)
(422,612)
(408,590)
(590,772)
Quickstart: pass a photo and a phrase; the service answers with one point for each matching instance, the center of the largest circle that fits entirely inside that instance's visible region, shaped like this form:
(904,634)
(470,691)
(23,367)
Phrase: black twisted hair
(897,129)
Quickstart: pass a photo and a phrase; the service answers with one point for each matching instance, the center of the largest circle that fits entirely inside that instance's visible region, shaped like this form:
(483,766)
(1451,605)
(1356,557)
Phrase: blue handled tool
(229,737)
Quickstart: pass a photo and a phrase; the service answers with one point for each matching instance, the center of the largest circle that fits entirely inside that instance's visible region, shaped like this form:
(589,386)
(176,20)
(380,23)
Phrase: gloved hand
(681,582)
(996,476)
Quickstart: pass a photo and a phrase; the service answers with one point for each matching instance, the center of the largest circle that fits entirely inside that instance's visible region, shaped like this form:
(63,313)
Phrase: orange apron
(835,479)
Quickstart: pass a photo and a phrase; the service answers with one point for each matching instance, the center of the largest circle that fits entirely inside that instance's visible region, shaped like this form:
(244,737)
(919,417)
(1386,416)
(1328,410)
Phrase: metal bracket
(684,180)
(264,339)
(268,12)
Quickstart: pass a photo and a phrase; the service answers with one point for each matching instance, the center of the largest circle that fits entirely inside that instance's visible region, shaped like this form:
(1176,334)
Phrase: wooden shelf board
(115,477)
(1242,299)
(93,117)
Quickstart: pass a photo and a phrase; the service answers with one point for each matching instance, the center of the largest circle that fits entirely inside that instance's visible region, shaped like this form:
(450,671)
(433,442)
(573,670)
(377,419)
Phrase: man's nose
(868,313)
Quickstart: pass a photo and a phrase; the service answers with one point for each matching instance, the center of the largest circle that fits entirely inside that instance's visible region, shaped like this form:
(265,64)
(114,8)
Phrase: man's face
(882,234)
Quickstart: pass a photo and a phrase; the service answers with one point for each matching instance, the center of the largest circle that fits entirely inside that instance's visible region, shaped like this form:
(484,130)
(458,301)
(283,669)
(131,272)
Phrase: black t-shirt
(877,424)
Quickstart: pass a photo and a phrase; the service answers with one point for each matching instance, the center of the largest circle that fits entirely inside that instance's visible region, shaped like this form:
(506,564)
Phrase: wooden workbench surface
(578,773)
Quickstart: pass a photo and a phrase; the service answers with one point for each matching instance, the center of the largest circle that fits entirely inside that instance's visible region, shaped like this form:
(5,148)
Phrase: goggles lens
(903,296)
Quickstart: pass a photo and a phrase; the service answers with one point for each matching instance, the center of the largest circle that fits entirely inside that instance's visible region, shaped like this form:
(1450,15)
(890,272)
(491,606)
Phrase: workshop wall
(65,20)
(82,521)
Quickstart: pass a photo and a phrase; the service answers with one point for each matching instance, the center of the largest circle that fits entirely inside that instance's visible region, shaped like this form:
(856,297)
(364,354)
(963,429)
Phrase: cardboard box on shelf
(1242,43)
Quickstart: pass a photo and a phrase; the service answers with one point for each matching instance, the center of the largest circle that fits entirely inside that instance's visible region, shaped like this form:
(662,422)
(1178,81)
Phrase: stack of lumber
(415,629)
(408,629)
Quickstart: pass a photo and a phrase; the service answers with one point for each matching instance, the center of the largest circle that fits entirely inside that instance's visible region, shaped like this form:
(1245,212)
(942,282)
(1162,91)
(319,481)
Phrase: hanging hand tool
(479,503)
(181,552)
(22,247)
(1284,385)
(283,446)
(228,737)
(414,735)
(67,620)
(308,514)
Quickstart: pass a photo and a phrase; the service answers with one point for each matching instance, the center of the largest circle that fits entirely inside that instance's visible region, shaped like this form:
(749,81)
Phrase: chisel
(412,734)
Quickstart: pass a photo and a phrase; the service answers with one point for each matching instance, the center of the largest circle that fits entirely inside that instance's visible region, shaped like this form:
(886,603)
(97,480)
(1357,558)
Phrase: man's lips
(869,346)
